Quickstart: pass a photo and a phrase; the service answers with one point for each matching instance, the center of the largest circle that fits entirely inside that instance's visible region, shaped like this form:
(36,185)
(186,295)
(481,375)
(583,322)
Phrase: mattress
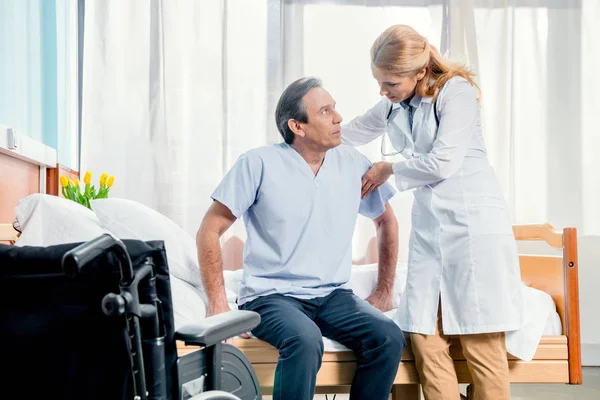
(522,343)
(539,310)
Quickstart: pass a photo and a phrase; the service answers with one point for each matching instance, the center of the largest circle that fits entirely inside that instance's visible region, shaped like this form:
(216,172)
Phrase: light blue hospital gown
(299,226)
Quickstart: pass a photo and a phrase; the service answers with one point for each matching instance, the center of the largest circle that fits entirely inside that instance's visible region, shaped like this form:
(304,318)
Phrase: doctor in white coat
(463,267)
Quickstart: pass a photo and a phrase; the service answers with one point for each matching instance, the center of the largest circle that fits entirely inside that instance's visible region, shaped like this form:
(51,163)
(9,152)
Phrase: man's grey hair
(290,105)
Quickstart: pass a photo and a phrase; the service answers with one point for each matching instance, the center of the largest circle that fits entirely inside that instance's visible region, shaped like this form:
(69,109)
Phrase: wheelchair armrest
(219,327)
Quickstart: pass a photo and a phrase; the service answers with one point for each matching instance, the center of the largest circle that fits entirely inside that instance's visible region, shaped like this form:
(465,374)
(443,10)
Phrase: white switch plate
(13,139)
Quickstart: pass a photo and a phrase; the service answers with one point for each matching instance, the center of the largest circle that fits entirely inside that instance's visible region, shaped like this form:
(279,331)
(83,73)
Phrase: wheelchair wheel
(215,395)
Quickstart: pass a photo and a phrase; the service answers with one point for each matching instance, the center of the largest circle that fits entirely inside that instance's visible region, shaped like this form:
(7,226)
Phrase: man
(300,200)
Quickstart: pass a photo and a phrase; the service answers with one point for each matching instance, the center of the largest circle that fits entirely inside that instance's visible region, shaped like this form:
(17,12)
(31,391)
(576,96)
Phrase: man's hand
(219,309)
(216,221)
(375,177)
(387,244)
(214,309)
(381,299)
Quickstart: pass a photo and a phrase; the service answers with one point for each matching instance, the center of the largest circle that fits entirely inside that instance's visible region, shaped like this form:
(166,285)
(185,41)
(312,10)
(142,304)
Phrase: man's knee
(390,339)
(308,343)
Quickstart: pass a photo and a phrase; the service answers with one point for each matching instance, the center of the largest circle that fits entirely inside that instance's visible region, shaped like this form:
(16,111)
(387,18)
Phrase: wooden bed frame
(557,359)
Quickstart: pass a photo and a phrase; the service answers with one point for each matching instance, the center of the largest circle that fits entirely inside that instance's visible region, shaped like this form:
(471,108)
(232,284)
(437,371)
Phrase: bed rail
(8,233)
(568,286)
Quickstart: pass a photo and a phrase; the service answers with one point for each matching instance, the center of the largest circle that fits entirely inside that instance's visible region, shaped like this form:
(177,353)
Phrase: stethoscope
(390,117)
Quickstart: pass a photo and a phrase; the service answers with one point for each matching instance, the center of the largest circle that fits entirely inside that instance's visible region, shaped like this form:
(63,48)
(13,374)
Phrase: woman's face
(396,87)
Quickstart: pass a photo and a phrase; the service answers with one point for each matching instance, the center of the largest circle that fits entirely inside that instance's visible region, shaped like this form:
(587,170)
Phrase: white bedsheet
(541,318)
(539,311)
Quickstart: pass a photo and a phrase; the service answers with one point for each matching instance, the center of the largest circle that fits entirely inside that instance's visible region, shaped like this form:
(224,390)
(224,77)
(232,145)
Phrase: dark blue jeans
(296,327)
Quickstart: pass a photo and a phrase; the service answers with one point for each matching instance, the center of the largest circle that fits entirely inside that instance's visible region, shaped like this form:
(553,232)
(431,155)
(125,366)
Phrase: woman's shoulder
(454,82)
(382,107)
(456,85)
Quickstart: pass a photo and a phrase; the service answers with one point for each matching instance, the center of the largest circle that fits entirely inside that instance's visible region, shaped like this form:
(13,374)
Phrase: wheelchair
(94,320)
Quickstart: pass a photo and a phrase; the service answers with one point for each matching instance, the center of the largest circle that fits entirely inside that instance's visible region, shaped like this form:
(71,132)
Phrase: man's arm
(387,243)
(216,221)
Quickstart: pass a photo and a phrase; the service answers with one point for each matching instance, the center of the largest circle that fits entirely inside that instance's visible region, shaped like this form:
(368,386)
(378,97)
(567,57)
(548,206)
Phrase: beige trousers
(486,359)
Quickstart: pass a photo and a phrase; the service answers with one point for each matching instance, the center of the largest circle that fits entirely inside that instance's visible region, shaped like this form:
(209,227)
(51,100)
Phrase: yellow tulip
(71,182)
(76,182)
(110,182)
(87,178)
(64,181)
(103,179)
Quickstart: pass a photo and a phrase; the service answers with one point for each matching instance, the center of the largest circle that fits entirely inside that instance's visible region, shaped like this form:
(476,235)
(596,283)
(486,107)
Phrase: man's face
(323,130)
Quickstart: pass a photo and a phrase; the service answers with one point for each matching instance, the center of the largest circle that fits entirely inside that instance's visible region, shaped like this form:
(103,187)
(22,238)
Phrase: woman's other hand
(379,173)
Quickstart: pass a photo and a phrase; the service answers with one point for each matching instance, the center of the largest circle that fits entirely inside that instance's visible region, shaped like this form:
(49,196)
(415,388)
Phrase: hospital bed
(556,357)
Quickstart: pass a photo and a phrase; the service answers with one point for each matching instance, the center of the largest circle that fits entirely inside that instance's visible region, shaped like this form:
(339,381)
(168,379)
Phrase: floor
(588,391)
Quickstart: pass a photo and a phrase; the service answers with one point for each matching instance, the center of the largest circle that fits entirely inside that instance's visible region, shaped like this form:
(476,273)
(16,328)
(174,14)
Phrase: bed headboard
(20,177)
(53,178)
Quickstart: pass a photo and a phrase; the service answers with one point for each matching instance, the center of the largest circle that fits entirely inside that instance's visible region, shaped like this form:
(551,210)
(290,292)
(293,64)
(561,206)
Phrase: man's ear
(296,127)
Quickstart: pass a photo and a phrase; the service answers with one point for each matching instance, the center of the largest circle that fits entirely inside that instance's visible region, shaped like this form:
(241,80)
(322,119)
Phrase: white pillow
(232,281)
(188,303)
(46,220)
(363,281)
(537,307)
(128,219)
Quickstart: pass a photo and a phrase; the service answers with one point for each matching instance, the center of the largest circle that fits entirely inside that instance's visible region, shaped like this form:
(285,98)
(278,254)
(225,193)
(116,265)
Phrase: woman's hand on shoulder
(379,173)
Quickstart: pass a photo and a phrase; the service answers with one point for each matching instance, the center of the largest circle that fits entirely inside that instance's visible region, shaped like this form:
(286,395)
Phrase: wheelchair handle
(127,305)
(75,260)
(113,305)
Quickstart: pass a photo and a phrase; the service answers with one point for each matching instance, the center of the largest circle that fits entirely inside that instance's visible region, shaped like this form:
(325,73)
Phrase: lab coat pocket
(489,216)
(416,210)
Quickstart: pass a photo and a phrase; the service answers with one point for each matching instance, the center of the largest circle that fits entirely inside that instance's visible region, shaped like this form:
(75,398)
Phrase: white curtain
(175,91)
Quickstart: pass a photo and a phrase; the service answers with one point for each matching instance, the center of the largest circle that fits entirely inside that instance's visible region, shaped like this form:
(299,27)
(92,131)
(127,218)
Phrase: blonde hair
(402,51)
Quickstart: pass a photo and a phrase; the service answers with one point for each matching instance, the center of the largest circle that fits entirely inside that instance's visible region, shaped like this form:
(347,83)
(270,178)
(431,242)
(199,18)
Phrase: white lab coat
(461,247)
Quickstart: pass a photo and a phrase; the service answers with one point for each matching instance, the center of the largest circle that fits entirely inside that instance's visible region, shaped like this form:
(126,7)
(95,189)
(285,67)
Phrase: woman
(463,268)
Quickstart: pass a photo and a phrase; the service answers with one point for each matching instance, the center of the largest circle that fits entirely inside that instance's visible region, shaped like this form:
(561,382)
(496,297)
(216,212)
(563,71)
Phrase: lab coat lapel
(399,118)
